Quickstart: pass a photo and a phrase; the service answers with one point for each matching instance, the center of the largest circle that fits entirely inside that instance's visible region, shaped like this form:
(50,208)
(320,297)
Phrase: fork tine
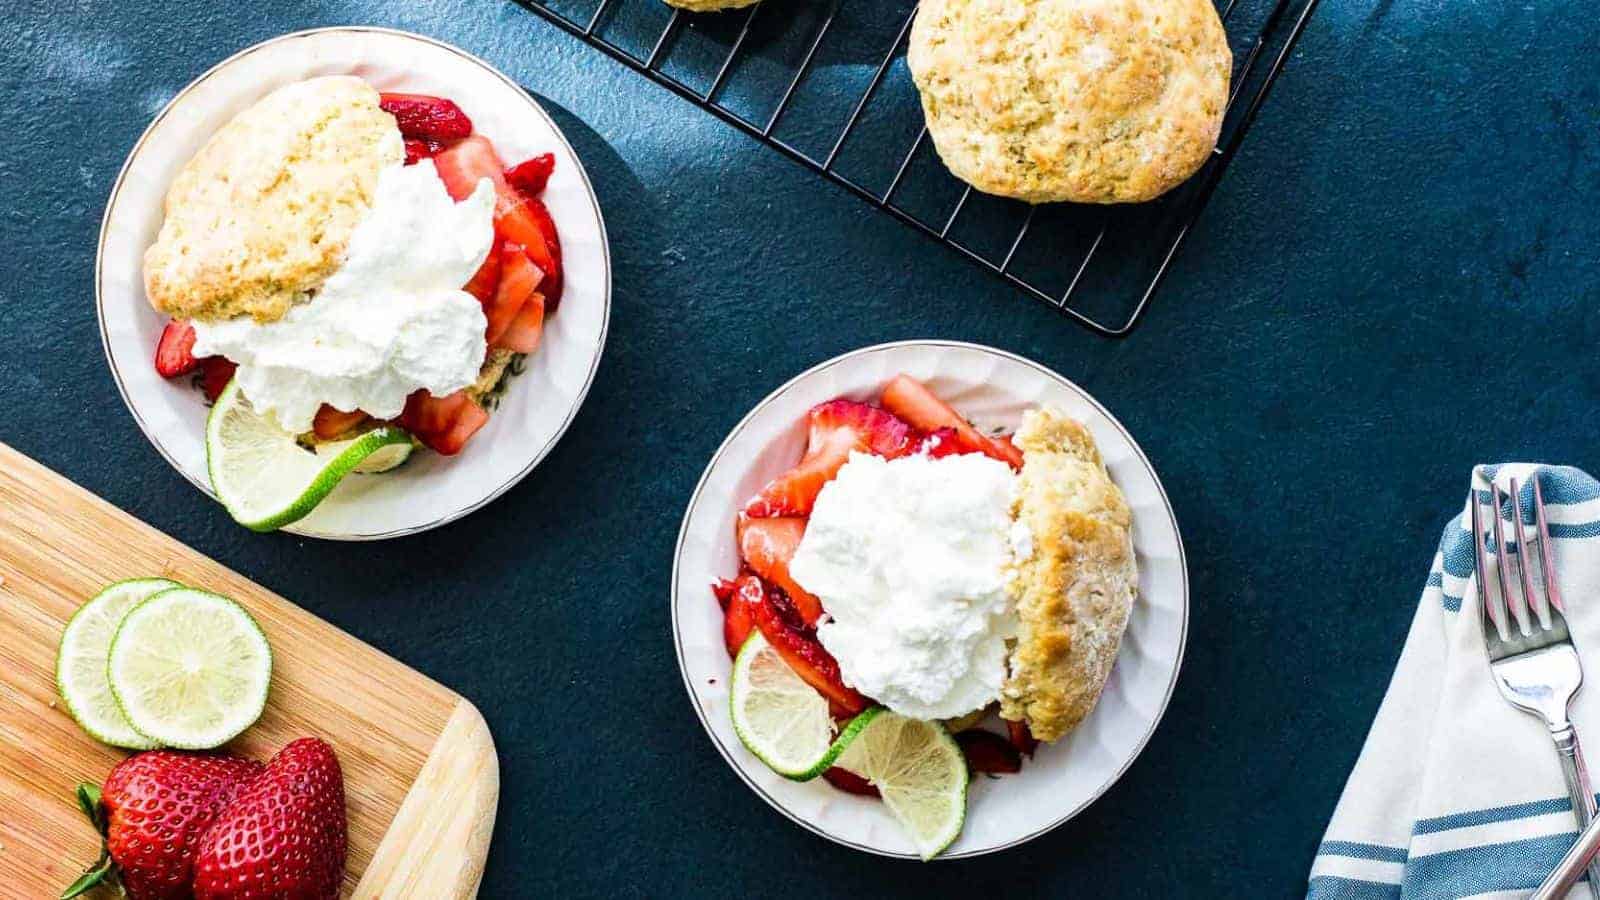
(1491,622)
(1538,605)
(1523,605)
(1503,619)
(1547,559)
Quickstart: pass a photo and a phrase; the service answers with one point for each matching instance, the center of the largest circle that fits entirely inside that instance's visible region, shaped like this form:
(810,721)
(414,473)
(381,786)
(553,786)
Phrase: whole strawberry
(283,836)
(153,810)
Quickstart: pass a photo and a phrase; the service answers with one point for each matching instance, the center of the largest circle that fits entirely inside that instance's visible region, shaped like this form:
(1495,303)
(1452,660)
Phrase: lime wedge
(264,477)
(918,768)
(189,669)
(780,718)
(81,662)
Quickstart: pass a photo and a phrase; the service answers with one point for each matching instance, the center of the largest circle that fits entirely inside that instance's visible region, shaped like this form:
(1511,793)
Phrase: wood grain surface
(421,776)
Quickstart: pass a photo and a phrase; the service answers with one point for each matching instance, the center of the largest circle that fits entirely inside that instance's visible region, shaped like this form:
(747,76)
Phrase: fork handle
(1579,789)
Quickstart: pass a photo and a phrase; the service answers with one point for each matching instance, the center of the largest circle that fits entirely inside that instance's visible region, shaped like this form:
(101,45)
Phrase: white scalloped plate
(538,404)
(992,388)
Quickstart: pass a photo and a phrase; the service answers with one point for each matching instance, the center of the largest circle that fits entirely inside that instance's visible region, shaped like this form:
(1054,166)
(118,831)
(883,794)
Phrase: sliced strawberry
(215,373)
(418,149)
(443,424)
(428,118)
(738,617)
(767,545)
(175,350)
(518,280)
(836,428)
(809,659)
(517,218)
(523,334)
(530,176)
(548,256)
(941,443)
(723,589)
(1021,737)
(485,282)
(849,782)
(988,752)
(330,423)
(911,400)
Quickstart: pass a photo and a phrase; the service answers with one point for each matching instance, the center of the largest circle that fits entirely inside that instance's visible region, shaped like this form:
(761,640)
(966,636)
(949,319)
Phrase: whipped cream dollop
(910,559)
(391,320)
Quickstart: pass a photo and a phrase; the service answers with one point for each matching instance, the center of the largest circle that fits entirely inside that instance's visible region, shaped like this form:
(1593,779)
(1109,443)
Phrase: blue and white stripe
(1456,794)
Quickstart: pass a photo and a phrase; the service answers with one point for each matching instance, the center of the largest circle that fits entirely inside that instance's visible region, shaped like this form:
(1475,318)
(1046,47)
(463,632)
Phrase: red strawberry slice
(547,256)
(743,594)
(426,118)
(175,350)
(809,659)
(911,400)
(443,424)
(836,428)
(942,443)
(465,164)
(849,782)
(154,810)
(486,281)
(331,423)
(530,176)
(215,373)
(1021,737)
(988,753)
(518,280)
(767,545)
(284,834)
(525,330)
(418,149)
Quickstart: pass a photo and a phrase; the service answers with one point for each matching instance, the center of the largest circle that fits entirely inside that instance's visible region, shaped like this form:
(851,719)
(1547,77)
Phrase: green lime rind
(81,662)
(263,477)
(921,773)
(782,720)
(190,669)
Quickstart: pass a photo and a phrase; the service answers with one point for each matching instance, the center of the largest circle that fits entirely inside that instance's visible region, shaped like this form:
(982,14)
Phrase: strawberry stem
(89,801)
(92,878)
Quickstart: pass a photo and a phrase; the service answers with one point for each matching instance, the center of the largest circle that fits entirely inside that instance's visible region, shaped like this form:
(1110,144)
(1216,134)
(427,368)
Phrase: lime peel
(262,475)
(783,720)
(81,662)
(189,669)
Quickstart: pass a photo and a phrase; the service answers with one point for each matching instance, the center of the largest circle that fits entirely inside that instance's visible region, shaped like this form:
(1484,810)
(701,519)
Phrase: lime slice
(81,662)
(263,476)
(780,718)
(918,768)
(189,669)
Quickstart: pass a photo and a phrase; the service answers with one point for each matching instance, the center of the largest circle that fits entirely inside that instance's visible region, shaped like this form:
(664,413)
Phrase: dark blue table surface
(1396,279)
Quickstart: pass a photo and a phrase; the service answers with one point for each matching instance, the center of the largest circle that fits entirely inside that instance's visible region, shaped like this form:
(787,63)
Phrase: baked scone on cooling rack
(709,5)
(1075,588)
(1090,101)
(261,216)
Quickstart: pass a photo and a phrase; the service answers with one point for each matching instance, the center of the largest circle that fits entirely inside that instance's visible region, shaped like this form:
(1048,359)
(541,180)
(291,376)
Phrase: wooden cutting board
(421,778)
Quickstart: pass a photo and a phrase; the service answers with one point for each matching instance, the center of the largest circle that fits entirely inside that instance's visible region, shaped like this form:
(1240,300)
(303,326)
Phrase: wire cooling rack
(825,83)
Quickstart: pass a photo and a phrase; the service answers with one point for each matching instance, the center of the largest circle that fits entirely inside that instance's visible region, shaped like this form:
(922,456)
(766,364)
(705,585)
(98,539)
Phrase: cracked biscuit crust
(1075,590)
(709,5)
(263,214)
(1091,101)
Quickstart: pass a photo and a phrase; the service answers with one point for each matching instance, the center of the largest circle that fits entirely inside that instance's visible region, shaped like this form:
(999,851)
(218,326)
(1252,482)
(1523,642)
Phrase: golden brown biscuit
(709,5)
(1076,588)
(1092,101)
(263,213)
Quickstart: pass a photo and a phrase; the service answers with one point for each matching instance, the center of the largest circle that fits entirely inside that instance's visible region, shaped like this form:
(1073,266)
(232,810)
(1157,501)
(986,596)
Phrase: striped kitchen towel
(1457,794)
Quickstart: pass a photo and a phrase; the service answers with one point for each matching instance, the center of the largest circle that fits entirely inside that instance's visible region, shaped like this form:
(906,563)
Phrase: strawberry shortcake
(912,564)
(353,259)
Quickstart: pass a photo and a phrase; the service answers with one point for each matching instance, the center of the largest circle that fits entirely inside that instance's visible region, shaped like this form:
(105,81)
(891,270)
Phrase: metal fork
(1531,655)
